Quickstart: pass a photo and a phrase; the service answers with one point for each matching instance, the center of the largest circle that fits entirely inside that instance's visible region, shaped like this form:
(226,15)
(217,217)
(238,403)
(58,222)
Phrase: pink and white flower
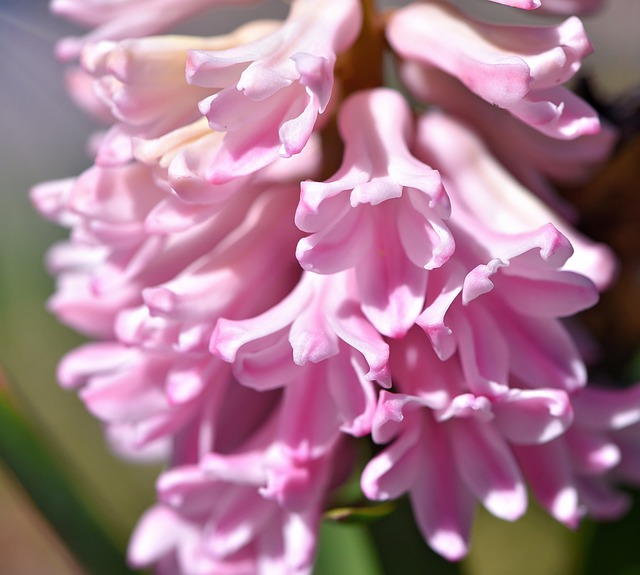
(382,213)
(272,90)
(549,159)
(124,18)
(482,188)
(502,317)
(517,68)
(257,319)
(556,6)
(468,438)
(215,517)
(142,83)
(584,466)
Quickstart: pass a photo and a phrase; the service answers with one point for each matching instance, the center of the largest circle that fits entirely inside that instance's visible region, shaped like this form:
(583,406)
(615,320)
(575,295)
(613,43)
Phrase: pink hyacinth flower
(482,311)
(256,324)
(148,399)
(142,82)
(252,509)
(579,472)
(124,18)
(522,4)
(318,312)
(318,334)
(272,90)
(480,185)
(248,535)
(382,213)
(556,6)
(566,161)
(101,270)
(514,67)
(230,269)
(448,447)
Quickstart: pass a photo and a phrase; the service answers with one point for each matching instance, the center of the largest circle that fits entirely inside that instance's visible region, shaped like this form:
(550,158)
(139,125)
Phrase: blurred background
(43,137)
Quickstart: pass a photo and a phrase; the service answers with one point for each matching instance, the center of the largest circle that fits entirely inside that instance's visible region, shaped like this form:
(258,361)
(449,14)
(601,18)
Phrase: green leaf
(346,549)
(26,455)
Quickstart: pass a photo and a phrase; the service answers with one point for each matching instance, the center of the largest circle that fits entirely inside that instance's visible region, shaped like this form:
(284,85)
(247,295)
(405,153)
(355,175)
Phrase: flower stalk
(283,261)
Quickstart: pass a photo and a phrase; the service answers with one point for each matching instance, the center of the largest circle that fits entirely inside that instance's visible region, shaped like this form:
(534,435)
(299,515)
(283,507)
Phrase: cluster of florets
(254,313)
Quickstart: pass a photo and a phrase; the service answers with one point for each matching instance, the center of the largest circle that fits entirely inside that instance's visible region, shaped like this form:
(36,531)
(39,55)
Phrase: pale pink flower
(514,67)
(468,438)
(255,323)
(248,535)
(253,509)
(148,399)
(583,468)
(140,273)
(158,363)
(129,234)
(116,20)
(319,312)
(478,184)
(101,270)
(382,213)
(484,303)
(317,334)
(272,90)
(522,4)
(564,161)
(79,85)
(183,159)
(556,6)
(142,82)
(231,269)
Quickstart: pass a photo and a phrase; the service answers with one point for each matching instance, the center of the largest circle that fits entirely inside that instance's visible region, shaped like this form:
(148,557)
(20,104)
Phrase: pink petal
(533,416)
(488,468)
(442,504)
(549,473)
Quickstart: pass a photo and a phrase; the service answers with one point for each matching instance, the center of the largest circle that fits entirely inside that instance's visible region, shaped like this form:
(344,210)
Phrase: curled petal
(483,191)
(514,67)
(557,112)
(390,474)
(533,416)
(118,20)
(273,89)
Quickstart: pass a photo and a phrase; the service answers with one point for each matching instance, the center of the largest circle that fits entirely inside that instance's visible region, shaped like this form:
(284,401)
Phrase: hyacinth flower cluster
(281,259)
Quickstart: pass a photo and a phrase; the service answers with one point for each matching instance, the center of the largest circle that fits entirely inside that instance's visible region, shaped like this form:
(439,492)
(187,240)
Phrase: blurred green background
(43,137)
